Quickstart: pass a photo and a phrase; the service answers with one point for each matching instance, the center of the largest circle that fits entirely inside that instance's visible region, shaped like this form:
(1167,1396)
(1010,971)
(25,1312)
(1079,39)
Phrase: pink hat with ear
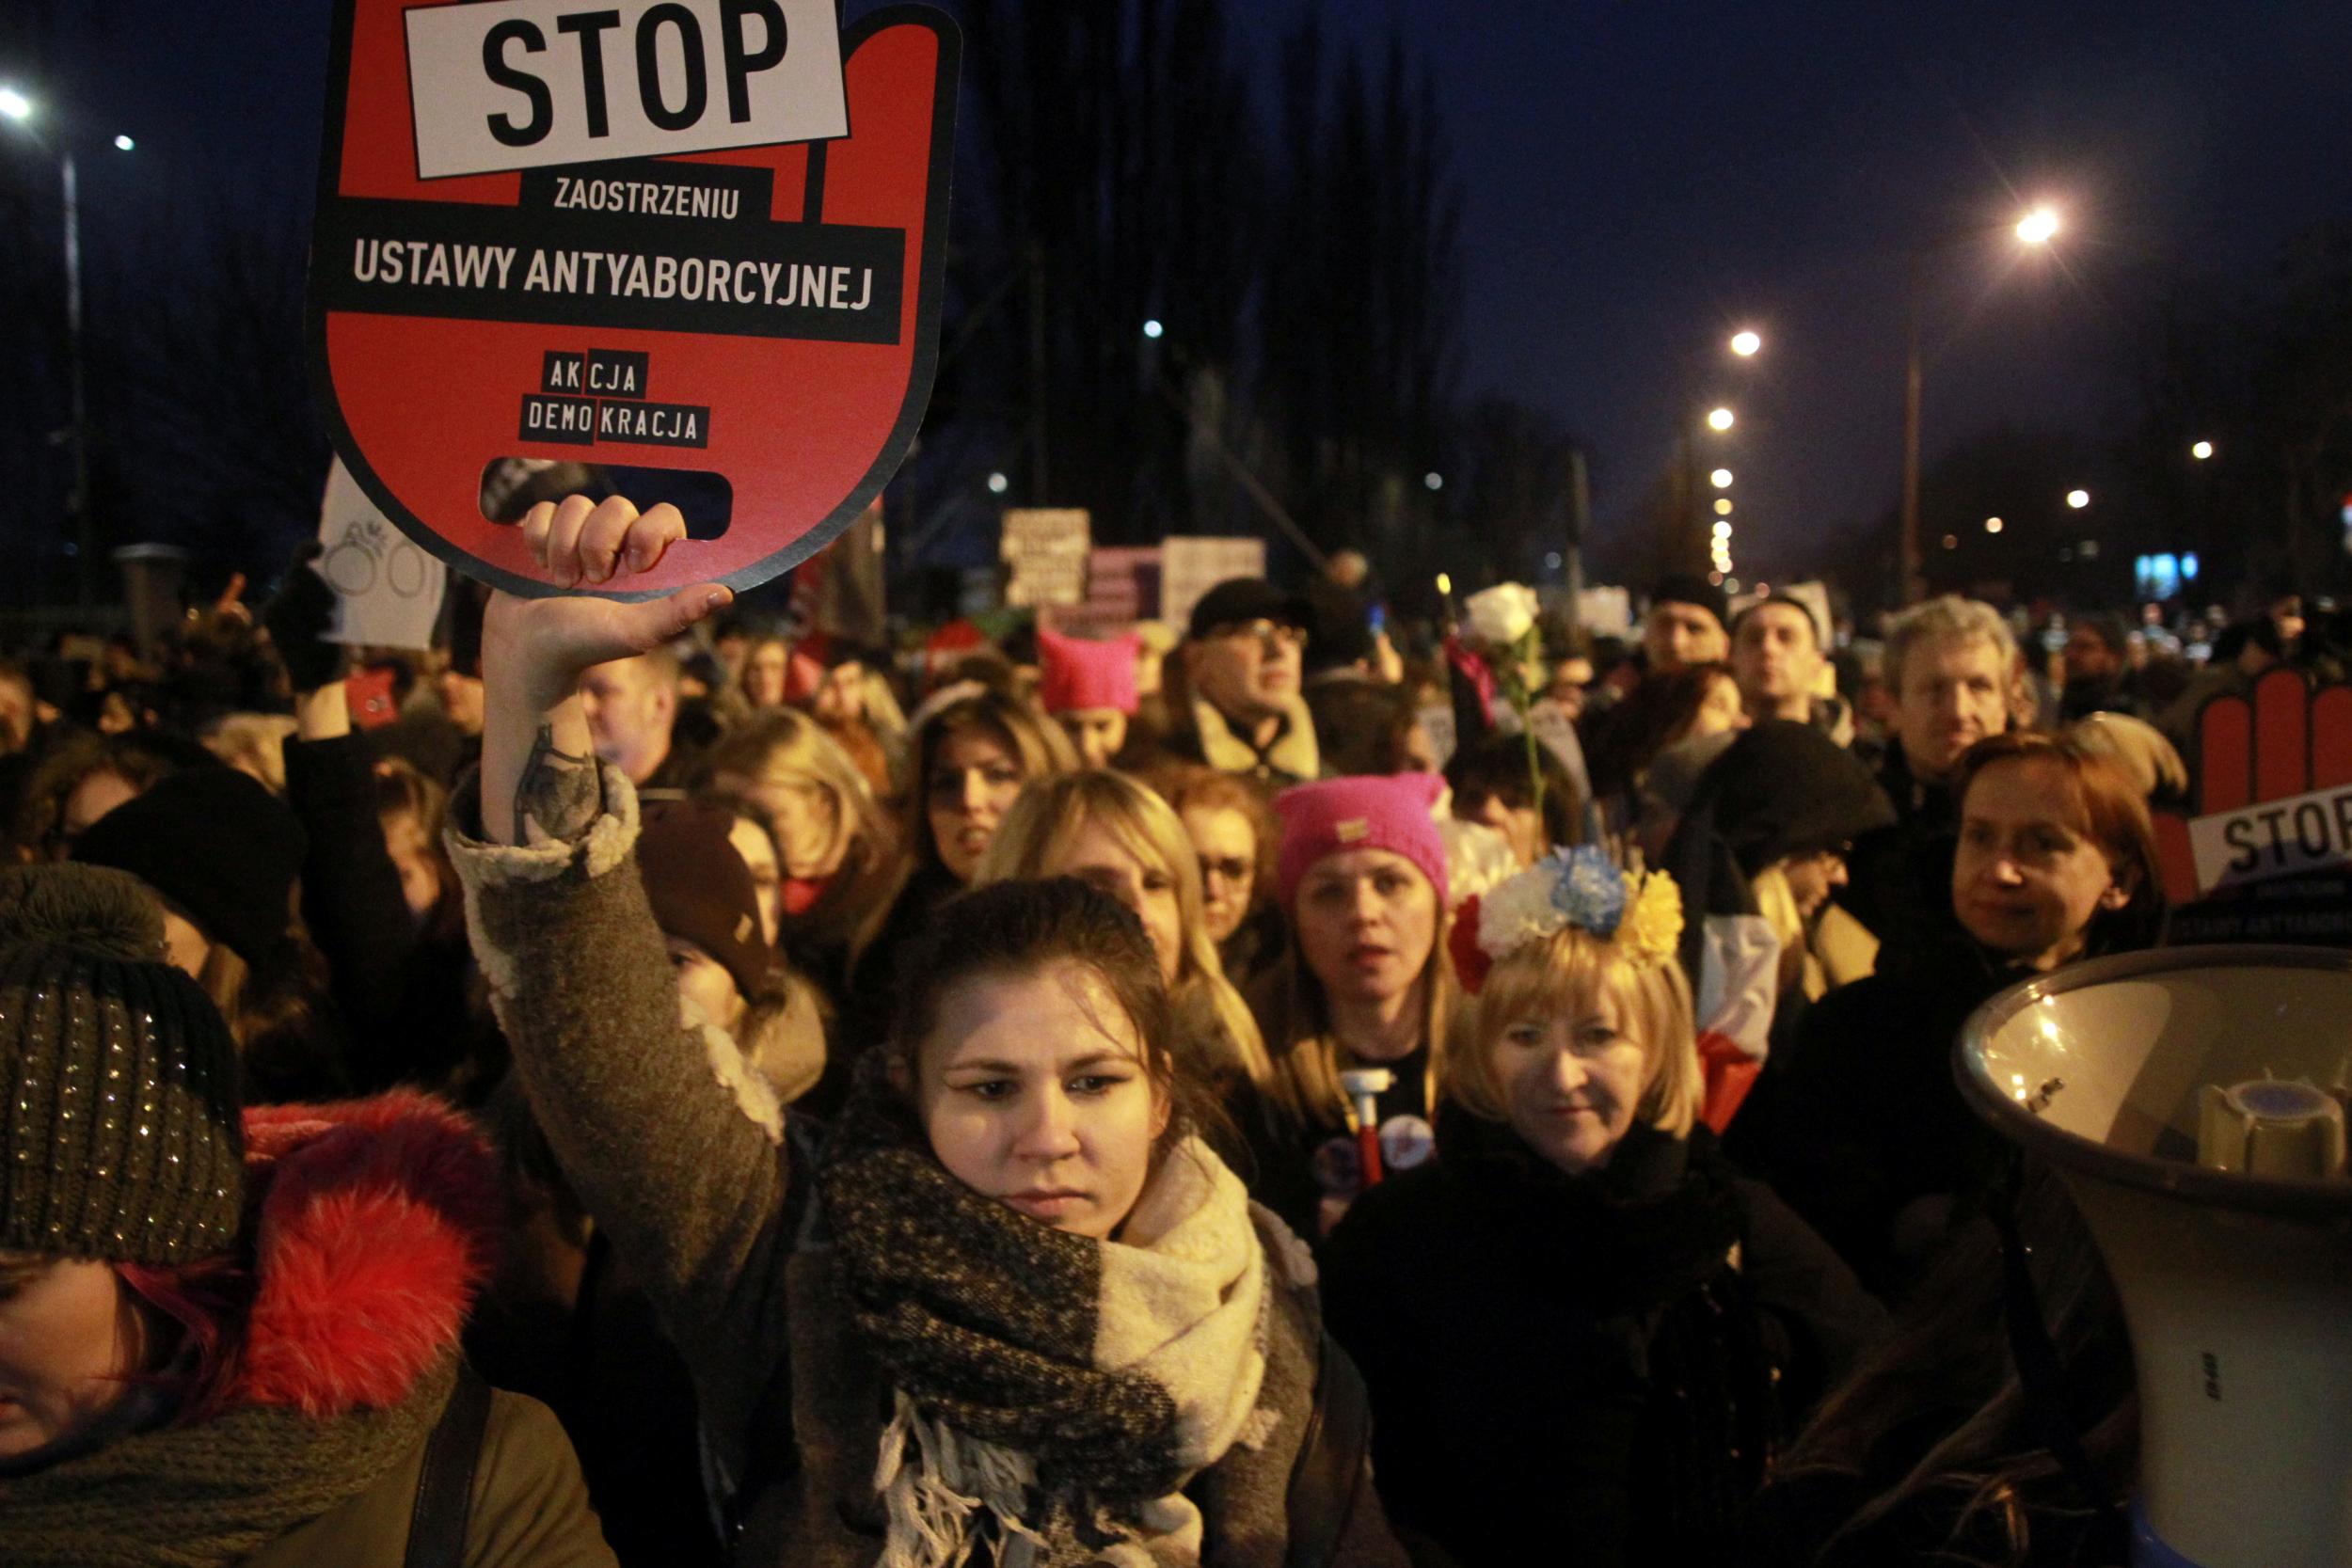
(1076,674)
(1389,811)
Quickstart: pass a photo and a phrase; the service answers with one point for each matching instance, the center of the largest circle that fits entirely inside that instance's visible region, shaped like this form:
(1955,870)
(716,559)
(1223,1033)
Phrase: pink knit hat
(1374,812)
(1076,674)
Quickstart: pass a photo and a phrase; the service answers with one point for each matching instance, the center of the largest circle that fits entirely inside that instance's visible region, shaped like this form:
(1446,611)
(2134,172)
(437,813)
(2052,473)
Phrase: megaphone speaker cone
(2235,1268)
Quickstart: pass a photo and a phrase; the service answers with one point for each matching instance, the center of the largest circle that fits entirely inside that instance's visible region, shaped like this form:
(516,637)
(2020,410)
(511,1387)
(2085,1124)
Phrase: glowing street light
(1951,541)
(1745,343)
(1721,478)
(1445,585)
(1722,531)
(1722,507)
(2078,499)
(1992,525)
(2038,226)
(1152,329)
(998,485)
(14,104)
(2201,451)
(1718,419)
(1435,480)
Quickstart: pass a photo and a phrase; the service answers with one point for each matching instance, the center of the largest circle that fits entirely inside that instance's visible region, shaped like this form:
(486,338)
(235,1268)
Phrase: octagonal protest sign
(694,235)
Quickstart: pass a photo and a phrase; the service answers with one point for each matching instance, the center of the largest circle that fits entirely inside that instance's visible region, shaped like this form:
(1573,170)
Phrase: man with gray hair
(1949,663)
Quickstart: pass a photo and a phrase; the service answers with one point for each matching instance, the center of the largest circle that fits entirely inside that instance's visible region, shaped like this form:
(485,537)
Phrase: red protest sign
(700,235)
(2263,856)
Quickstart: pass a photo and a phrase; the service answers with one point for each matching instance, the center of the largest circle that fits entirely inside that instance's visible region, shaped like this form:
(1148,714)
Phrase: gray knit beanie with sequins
(119,1135)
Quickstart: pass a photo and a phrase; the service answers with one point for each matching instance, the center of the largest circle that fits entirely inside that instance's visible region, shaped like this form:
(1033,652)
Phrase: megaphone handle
(2039,1371)
(1368,1147)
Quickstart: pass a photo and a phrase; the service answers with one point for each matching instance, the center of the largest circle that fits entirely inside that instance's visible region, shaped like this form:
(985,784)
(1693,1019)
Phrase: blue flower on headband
(1589,888)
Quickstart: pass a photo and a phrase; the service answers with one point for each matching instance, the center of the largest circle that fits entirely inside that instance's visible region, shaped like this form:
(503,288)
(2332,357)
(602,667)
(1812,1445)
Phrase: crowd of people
(634,1085)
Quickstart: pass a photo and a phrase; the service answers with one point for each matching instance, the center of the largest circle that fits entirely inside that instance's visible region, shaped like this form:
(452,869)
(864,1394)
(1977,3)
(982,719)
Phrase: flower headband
(1641,911)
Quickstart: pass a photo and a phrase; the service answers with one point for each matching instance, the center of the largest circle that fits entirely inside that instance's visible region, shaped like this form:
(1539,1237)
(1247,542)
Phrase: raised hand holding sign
(696,235)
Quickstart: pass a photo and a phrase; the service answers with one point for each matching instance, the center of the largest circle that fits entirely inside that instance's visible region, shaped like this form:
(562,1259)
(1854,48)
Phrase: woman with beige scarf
(1015,1312)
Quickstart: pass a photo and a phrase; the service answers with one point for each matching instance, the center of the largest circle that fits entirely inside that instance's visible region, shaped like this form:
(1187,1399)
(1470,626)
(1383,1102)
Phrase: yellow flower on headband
(1652,928)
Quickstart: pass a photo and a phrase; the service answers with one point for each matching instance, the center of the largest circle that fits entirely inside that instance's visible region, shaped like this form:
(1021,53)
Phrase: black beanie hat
(701,891)
(1683,588)
(120,1136)
(1783,788)
(217,844)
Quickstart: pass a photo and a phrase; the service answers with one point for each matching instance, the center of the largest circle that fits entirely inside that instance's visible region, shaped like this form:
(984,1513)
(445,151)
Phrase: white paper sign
(1605,611)
(1191,565)
(1046,547)
(524,84)
(390,591)
(2275,838)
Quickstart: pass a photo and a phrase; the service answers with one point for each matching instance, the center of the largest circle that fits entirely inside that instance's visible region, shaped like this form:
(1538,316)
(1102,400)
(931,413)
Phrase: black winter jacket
(1579,1361)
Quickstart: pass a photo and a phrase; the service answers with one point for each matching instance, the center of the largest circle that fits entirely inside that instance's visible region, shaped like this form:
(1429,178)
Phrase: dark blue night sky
(1643,178)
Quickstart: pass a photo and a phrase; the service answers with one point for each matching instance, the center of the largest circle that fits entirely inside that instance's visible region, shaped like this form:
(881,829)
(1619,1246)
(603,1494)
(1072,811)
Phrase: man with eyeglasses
(1242,711)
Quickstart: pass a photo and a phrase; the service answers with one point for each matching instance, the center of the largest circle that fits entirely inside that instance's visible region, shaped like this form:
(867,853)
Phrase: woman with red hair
(2057,861)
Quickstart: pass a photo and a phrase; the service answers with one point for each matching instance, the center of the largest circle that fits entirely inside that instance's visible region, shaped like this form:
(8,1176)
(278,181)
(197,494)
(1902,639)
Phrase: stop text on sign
(525,83)
(2302,833)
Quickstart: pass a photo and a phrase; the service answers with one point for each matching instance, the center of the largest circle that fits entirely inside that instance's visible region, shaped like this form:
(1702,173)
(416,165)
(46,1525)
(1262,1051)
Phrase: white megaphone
(2193,1099)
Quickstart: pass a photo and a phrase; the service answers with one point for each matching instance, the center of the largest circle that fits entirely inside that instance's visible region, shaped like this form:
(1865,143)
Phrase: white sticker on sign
(524,84)
(2275,838)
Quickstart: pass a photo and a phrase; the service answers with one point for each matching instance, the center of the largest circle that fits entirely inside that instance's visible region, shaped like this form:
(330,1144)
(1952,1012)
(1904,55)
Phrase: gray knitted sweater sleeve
(672,1142)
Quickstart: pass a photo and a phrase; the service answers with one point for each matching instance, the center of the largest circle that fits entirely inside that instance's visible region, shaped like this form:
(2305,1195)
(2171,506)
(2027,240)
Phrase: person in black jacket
(1582,1329)
(2057,861)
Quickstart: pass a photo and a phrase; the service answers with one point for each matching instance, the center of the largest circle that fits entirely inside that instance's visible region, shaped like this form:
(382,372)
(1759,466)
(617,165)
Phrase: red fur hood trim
(372,1221)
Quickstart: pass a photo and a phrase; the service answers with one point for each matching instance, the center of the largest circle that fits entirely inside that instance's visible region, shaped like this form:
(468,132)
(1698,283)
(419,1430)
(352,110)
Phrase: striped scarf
(1051,1393)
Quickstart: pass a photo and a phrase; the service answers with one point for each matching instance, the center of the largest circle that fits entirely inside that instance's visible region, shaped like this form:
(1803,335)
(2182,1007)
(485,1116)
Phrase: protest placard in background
(1122,587)
(1045,548)
(1191,565)
(1605,611)
(698,243)
(389,590)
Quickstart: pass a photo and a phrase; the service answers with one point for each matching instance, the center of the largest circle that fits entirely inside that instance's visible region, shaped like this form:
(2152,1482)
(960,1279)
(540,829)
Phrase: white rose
(1501,615)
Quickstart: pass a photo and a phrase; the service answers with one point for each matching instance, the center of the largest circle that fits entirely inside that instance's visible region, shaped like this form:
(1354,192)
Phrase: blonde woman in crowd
(1648,1321)
(1364,987)
(1109,830)
(837,849)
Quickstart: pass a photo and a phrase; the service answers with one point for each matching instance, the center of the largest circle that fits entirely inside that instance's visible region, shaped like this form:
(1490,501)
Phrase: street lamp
(1719,418)
(1152,329)
(17,107)
(1992,525)
(2036,227)
(1745,343)
(2078,499)
(1721,478)
(1434,480)
(2201,451)
(998,485)
(1723,506)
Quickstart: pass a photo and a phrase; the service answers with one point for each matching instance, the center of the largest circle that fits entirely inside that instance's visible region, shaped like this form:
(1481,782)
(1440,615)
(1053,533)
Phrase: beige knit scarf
(1181,1302)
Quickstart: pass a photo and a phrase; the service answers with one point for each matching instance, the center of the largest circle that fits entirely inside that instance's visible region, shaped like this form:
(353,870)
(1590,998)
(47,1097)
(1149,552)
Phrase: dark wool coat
(1900,878)
(688,1165)
(1869,1139)
(1554,1362)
